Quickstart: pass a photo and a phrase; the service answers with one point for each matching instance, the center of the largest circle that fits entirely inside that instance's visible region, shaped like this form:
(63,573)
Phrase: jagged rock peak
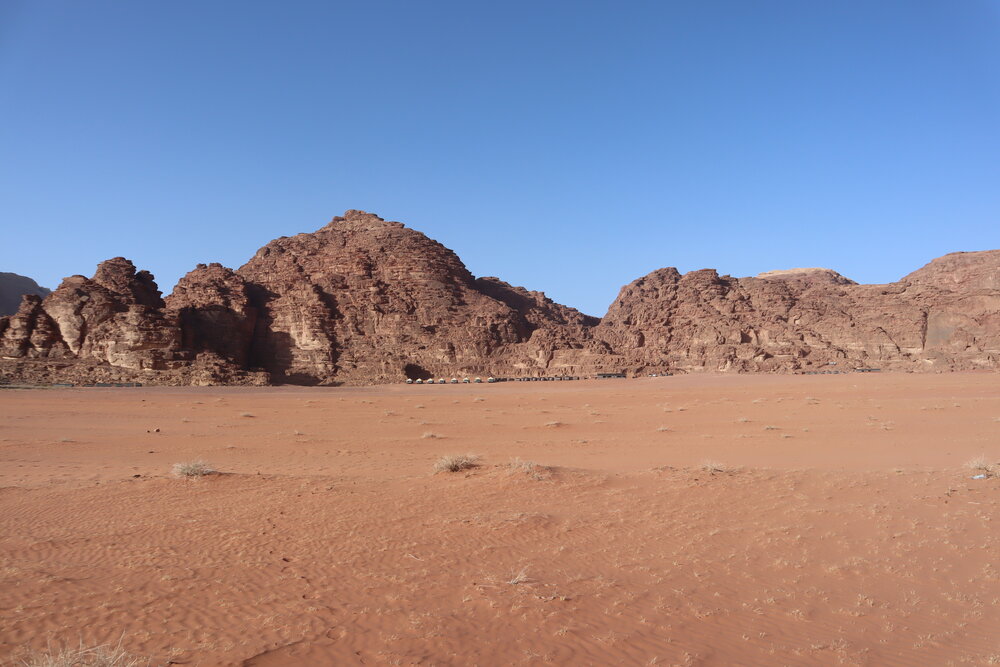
(357,220)
(120,276)
(208,285)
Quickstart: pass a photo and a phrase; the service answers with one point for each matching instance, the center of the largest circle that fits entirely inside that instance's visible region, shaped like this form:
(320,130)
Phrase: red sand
(851,532)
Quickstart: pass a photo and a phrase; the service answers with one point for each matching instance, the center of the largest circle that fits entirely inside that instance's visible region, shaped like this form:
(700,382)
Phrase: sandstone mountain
(364,300)
(12,288)
(945,316)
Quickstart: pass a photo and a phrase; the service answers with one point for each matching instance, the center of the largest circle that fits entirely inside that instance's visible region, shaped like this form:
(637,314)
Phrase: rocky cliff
(361,300)
(945,316)
(365,300)
(114,327)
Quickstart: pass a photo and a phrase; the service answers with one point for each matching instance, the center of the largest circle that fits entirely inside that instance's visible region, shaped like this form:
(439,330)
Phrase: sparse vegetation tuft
(519,577)
(717,467)
(456,463)
(193,469)
(106,655)
(430,435)
(981,464)
(528,468)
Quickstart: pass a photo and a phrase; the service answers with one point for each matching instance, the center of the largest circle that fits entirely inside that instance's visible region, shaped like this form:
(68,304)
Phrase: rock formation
(12,288)
(945,316)
(214,311)
(115,323)
(364,300)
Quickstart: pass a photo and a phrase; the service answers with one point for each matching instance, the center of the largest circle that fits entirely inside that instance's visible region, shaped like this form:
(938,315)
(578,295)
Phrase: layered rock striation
(365,300)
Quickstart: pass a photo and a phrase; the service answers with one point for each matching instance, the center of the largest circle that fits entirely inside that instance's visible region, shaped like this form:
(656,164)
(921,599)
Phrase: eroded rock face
(115,317)
(216,317)
(945,316)
(364,300)
(112,327)
(30,332)
(367,300)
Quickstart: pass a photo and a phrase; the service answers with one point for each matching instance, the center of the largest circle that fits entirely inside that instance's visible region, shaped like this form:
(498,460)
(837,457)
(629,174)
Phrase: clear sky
(568,147)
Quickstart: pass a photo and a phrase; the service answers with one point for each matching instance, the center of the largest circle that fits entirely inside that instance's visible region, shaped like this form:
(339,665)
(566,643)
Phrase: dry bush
(456,463)
(430,435)
(528,468)
(519,577)
(663,429)
(553,424)
(716,467)
(105,655)
(193,469)
(982,465)
(246,414)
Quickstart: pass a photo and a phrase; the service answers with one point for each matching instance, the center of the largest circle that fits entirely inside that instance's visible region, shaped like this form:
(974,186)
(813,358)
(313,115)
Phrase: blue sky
(568,147)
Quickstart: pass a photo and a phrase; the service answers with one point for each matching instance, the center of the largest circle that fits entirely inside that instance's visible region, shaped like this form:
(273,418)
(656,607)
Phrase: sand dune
(837,524)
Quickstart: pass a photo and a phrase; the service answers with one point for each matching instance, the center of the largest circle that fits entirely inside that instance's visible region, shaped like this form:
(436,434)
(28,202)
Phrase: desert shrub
(192,469)
(456,463)
(519,577)
(716,467)
(528,468)
(106,655)
(982,465)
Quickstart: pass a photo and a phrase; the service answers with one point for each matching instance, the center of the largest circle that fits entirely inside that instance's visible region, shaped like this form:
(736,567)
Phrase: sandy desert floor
(839,524)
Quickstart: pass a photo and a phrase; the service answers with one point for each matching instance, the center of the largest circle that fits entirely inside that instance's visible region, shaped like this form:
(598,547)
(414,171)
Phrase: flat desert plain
(696,520)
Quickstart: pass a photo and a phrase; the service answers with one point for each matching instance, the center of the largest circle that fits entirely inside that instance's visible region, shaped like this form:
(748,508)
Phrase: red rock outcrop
(945,316)
(30,332)
(116,317)
(115,321)
(367,300)
(212,305)
(364,300)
